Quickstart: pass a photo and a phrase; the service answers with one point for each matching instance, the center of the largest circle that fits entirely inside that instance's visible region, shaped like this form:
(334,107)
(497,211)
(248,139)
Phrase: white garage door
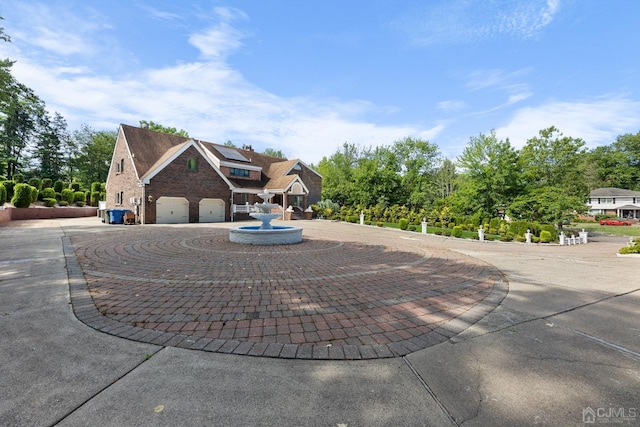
(172,210)
(211,210)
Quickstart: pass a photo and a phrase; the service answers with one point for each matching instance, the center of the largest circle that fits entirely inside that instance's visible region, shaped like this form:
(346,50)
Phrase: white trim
(303,164)
(240,166)
(190,143)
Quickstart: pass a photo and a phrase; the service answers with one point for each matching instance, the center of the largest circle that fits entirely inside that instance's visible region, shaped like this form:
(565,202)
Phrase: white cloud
(471,21)
(597,122)
(452,106)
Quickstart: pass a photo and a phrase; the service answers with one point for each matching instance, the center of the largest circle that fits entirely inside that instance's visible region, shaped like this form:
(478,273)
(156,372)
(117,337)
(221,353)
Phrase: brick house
(172,179)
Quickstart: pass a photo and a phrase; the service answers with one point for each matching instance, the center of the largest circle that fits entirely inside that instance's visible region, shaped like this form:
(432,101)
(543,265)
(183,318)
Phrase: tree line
(548,180)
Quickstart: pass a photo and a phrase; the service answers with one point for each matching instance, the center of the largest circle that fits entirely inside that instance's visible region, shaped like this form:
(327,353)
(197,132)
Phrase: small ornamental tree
(3,195)
(21,195)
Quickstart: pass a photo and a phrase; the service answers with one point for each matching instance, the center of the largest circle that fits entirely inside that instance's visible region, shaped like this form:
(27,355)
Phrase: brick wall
(176,180)
(17,214)
(124,182)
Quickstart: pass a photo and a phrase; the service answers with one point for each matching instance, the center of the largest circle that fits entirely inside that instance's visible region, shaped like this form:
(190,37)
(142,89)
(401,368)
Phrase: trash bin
(116,216)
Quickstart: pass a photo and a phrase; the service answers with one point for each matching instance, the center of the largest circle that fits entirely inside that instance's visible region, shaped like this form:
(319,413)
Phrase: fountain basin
(276,235)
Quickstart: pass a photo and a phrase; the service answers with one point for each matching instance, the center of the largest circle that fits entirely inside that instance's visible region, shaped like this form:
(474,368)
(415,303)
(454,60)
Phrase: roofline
(304,164)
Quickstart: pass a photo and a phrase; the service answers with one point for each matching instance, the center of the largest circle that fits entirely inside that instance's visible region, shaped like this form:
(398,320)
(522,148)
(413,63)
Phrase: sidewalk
(564,340)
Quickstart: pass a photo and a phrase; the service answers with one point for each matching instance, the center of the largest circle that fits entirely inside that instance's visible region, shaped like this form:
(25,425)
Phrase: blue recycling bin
(116,216)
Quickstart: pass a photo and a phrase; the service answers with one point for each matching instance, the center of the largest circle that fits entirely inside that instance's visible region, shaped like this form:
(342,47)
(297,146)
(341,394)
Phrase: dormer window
(243,173)
(297,167)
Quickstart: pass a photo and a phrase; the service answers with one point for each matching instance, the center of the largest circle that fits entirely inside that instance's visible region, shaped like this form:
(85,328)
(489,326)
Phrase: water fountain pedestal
(265,234)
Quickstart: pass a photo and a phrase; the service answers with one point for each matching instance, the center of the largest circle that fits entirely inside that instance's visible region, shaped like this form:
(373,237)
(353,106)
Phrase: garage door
(212,210)
(172,210)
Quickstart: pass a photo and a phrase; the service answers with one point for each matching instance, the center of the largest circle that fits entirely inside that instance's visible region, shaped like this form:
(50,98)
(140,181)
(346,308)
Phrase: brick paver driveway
(345,292)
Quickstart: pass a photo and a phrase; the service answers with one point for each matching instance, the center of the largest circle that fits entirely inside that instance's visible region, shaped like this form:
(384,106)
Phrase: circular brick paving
(329,297)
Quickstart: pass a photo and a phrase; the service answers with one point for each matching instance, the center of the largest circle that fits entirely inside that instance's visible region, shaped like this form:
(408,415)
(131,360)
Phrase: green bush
(48,193)
(49,202)
(551,229)
(451,225)
(9,186)
(403,223)
(95,198)
(63,203)
(18,178)
(95,186)
(437,224)
(457,231)
(412,228)
(3,194)
(78,196)
(80,204)
(58,186)
(67,195)
(632,248)
(47,183)
(21,195)
(75,186)
(34,194)
(545,236)
(446,233)
(380,224)
(35,182)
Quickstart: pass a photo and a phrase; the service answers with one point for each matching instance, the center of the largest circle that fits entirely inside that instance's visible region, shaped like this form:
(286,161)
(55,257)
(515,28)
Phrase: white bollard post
(424,225)
(584,236)
(362,218)
(480,234)
(528,236)
(562,239)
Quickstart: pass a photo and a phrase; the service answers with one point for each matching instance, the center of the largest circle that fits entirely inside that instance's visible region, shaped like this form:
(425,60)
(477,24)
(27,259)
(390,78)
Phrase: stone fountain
(265,234)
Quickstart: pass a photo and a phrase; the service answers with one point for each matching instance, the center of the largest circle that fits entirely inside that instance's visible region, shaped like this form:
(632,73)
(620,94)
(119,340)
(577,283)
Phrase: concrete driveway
(562,348)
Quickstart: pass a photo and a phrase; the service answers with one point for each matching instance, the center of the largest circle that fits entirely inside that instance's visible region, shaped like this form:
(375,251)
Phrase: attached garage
(212,210)
(172,210)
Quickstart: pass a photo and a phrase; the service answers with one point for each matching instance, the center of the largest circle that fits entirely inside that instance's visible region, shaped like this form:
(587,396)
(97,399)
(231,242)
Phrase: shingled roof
(613,192)
(150,149)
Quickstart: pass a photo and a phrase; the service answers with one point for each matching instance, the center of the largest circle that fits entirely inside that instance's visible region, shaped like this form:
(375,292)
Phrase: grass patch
(616,230)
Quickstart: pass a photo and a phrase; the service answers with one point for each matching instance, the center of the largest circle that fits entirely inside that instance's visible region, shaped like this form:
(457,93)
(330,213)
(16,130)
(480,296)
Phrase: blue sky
(304,77)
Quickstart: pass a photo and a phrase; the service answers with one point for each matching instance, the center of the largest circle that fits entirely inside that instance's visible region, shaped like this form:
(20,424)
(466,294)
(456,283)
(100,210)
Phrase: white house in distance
(615,201)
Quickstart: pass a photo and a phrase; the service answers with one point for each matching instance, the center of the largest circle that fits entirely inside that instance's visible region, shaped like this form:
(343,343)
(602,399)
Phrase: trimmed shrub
(380,224)
(3,194)
(403,223)
(551,229)
(451,225)
(75,186)
(21,196)
(18,178)
(35,182)
(79,196)
(80,204)
(58,186)
(9,186)
(49,202)
(446,233)
(67,195)
(95,186)
(545,236)
(34,193)
(412,228)
(95,198)
(632,248)
(457,231)
(63,203)
(48,193)
(46,183)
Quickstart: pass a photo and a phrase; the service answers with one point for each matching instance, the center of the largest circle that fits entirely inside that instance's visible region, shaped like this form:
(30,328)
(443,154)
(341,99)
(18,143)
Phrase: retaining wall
(16,214)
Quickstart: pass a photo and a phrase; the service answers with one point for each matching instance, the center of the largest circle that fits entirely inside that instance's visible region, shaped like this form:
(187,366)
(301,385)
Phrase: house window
(120,166)
(239,172)
(192,164)
(119,198)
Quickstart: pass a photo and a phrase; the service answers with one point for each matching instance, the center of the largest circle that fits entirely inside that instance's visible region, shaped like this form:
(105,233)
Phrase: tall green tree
(275,153)
(157,127)
(337,172)
(95,149)
(418,161)
(490,179)
(50,146)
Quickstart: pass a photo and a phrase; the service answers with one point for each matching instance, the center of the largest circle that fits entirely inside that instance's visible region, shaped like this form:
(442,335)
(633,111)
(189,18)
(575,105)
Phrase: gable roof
(152,151)
(614,192)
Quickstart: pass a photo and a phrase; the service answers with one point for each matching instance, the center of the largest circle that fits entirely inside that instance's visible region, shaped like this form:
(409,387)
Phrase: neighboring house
(172,179)
(615,201)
